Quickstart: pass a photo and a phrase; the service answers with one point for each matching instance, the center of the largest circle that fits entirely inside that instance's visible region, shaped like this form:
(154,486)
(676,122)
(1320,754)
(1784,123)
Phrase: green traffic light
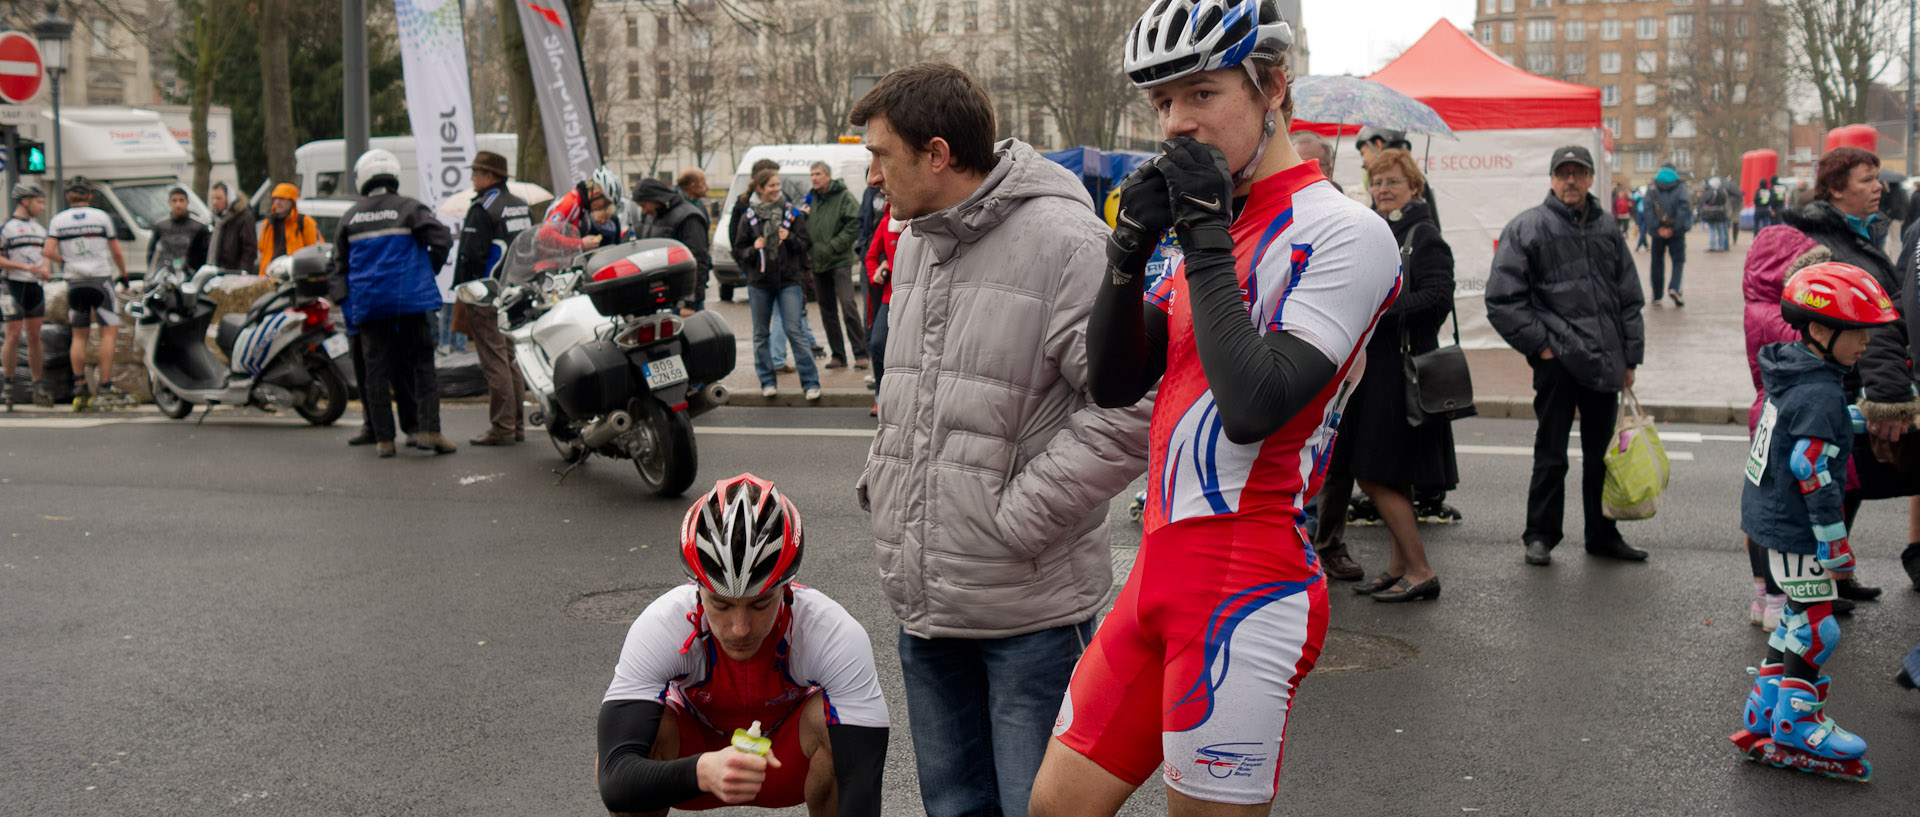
(35,161)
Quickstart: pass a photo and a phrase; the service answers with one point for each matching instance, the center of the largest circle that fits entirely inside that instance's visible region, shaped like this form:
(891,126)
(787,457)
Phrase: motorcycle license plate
(665,372)
(336,345)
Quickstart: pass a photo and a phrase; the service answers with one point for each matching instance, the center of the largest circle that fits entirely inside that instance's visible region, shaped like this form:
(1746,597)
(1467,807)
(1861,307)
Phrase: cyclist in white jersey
(81,241)
(23,302)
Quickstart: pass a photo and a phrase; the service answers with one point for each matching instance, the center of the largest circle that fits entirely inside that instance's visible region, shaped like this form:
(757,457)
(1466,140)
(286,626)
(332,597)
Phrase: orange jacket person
(285,228)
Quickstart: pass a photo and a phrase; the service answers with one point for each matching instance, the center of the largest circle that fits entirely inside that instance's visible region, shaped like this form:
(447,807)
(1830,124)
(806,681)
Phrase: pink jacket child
(1777,252)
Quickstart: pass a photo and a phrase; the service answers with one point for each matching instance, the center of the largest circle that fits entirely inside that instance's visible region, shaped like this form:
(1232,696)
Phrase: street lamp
(53,34)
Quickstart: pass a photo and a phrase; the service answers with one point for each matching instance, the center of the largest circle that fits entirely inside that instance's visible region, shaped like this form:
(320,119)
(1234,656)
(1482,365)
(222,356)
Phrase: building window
(1576,30)
(1681,127)
(747,118)
(1539,31)
(1539,62)
(1539,4)
(1610,29)
(1716,26)
(1493,6)
(1646,62)
(940,18)
(1506,31)
(1506,6)
(1682,158)
(699,76)
(701,36)
(1646,93)
(1677,59)
(1740,27)
(863,26)
(1486,34)
(662,80)
(636,139)
(1609,62)
(1739,93)
(1610,95)
(1646,28)
(970,16)
(1613,161)
(1004,118)
(1679,26)
(633,32)
(1739,60)
(662,32)
(1644,161)
(1003,15)
(1613,122)
(1576,63)
(663,135)
(1036,128)
(1644,127)
(633,79)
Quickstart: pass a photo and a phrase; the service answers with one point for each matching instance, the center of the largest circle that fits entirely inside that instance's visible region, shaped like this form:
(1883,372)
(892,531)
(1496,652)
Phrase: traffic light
(30,156)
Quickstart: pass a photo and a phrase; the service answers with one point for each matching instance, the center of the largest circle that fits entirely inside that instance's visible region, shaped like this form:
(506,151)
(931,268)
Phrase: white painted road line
(1527,451)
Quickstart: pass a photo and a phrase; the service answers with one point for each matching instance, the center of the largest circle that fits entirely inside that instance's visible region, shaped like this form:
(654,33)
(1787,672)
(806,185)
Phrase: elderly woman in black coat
(1377,447)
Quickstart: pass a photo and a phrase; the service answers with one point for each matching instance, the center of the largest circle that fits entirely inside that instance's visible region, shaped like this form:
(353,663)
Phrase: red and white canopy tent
(1508,123)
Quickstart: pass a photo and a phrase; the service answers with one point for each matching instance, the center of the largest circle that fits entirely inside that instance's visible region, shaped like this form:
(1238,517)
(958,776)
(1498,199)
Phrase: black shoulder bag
(1438,383)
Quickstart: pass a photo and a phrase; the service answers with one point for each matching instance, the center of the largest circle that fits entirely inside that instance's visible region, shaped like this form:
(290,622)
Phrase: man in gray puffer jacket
(1564,293)
(992,468)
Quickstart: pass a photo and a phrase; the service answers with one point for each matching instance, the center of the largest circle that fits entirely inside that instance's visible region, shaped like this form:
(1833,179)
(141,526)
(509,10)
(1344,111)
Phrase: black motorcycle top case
(592,379)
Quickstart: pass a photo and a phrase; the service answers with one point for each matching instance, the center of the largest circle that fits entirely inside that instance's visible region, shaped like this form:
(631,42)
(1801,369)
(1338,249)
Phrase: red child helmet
(1836,295)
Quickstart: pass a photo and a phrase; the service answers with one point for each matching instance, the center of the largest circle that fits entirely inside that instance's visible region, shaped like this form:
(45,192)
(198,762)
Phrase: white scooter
(284,352)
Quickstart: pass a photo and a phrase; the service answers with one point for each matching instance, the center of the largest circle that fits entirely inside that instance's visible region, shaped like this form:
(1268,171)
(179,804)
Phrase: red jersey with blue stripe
(1311,262)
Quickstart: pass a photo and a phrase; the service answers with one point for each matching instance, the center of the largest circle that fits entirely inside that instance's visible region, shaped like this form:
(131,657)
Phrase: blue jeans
(982,710)
(792,301)
(877,344)
(779,315)
(443,330)
(1717,236)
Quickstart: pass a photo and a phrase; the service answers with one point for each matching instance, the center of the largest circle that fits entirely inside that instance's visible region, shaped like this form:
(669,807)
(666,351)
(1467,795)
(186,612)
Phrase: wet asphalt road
(246,617)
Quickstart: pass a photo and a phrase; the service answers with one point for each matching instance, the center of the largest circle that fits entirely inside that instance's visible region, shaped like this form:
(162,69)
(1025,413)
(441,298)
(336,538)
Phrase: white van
(129,158)
(322,165)
(849,163)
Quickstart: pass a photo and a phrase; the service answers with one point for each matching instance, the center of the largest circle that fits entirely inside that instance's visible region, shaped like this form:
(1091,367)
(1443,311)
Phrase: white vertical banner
(433,57)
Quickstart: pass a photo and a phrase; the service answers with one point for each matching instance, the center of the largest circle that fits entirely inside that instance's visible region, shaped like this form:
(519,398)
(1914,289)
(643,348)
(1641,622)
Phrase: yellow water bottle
(749,740)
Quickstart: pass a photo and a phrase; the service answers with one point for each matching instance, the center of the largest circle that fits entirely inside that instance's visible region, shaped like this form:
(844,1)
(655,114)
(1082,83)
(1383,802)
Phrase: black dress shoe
(1337,565)
(1375,585)
(1538,553)
(1851,588)
(1401,591)
(1617,549)
(365,437)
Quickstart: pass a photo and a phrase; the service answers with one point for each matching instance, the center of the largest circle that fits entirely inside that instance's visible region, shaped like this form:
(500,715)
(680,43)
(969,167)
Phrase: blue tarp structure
(1099,169)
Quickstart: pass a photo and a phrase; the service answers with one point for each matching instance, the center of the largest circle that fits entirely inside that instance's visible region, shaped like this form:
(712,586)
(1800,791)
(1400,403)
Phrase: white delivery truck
(848,160)
(322,165)
(129,157)
(179,119)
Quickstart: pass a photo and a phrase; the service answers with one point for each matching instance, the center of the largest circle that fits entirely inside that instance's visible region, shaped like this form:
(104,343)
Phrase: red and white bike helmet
(1836,295)
(742,538)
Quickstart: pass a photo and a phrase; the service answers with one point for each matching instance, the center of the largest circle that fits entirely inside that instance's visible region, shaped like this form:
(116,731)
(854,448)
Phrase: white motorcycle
(283,352)
(612,367)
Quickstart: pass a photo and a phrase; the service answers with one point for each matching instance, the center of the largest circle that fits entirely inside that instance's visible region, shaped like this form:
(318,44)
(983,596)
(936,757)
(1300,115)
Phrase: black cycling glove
(1200,192)
(1144,215)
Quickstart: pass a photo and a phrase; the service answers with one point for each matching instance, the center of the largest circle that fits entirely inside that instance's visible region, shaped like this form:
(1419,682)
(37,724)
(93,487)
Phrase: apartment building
(1677,78)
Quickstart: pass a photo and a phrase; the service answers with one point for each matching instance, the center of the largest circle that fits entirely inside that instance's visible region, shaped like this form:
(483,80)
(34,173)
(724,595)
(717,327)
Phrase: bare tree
(1072,70)
(276,90)
(1840,47)
(1720,81)
(207,39)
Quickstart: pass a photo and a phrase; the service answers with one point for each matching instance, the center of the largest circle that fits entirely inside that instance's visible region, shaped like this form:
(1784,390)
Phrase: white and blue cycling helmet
(1178,38)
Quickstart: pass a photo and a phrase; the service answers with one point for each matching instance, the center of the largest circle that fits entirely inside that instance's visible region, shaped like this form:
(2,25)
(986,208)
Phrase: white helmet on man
(610,185)
(376,162)
(1176,38)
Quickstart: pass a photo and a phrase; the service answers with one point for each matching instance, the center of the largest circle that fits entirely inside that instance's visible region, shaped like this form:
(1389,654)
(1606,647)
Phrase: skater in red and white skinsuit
(1278,286)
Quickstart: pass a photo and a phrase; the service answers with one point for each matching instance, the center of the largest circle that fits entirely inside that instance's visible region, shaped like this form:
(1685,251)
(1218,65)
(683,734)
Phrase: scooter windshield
(544,249)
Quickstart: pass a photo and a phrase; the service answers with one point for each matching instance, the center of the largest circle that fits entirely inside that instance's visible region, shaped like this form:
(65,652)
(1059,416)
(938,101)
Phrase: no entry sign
(20,67)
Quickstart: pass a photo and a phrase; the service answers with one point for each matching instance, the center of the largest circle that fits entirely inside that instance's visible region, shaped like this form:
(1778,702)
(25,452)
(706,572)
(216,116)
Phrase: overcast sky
(1358,36)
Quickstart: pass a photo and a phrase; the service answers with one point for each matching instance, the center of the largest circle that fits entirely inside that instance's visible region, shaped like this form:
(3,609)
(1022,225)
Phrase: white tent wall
(1483,181)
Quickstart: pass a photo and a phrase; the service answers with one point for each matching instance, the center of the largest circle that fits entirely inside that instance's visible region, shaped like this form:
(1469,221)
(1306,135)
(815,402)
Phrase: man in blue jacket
(1668,216)
(386,252)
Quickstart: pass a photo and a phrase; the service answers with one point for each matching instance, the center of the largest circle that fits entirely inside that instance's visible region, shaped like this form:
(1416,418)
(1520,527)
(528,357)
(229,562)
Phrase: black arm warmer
(630,779)
(1126,337)
(1259,382)
(859,757)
